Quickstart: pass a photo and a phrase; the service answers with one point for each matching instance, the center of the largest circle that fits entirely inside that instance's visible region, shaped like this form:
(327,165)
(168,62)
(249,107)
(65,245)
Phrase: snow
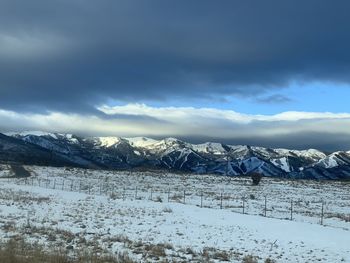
(99,218)
(282,163)
(310,153)
(209,147)
(107,141)
(70,137)
(141,142)
(34,133)
(328,162)
(333,160)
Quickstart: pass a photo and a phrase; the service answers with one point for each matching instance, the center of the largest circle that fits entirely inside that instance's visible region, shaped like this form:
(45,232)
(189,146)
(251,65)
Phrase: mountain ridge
(174,154)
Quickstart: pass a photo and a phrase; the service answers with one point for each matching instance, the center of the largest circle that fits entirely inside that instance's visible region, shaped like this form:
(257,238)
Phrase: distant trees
(256,178)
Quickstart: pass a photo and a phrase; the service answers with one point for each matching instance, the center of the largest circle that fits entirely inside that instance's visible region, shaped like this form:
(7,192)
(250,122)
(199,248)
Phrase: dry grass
(17,251)
(249,259)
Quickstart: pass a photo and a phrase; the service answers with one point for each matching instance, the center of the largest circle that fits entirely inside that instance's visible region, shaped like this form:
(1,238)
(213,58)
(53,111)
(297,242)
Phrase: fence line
(225,201)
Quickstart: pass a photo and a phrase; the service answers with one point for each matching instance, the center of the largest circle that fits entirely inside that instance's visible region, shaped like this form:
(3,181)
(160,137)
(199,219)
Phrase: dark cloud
(273,99)
(71,55)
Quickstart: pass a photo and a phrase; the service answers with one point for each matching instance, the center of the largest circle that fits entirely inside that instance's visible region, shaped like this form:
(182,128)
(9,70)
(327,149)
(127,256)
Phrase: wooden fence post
(221,201)
(322,212)
(201,198)
(243,204)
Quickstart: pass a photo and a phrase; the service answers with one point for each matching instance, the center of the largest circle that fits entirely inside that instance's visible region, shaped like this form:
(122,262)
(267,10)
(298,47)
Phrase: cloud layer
(61,60)
(327,131)
(72,55)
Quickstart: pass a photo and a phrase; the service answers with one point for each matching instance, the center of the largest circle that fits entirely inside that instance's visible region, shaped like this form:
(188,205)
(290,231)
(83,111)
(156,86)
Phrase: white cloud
(176,113)
(143,120)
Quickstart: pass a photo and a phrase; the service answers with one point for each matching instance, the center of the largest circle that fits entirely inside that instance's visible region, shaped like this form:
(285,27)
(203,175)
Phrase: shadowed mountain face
(170,153)
(13,150)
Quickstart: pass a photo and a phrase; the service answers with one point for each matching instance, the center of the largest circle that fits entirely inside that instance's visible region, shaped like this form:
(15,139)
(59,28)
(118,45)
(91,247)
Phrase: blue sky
(309,97)
(315,97)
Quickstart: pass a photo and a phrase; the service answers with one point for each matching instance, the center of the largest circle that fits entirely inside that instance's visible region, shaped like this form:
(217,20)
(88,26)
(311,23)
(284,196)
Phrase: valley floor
(130,212)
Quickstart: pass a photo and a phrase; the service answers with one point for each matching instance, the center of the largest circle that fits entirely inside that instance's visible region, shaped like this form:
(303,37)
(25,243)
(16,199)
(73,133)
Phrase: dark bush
(256,178)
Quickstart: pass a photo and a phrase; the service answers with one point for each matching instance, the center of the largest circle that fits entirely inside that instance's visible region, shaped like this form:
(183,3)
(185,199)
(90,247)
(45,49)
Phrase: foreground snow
(185,230)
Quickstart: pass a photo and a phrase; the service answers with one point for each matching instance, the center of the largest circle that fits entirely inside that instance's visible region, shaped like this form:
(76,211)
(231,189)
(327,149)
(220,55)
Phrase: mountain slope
(14,150)
(171,153)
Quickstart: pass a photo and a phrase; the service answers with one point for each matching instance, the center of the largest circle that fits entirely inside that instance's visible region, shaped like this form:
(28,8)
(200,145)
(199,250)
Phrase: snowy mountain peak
(335,159)
(171,140)
(311,153)
(209,147)
(141,142)
(107,141)
(33,133)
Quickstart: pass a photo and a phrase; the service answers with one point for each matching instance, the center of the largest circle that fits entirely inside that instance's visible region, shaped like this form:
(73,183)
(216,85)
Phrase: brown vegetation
(17,251)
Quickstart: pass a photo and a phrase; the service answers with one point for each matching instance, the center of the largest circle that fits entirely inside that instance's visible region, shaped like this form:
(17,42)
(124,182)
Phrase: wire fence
(296,210)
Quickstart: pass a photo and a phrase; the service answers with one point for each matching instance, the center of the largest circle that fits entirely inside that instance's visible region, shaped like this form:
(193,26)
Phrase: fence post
(184,196)
(168,195)
(54,184)
(243,204)
(63,185)
(136,193)
(322,212)
(221,201)
(201,198)
(291,209)
(124,194)
(151,194)
(265,207)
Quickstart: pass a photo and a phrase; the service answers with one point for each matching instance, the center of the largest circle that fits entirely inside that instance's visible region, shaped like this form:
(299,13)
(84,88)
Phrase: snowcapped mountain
(171,153)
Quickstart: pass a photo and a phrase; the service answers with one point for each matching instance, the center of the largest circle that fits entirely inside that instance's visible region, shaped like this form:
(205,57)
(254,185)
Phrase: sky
(266,73)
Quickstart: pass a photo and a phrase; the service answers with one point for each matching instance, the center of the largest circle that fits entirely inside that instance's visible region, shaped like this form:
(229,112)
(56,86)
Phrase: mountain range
(42,148)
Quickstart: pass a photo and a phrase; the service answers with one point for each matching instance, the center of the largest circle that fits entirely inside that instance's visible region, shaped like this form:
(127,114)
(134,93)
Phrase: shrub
(256,178)
(167,210)
(249,259)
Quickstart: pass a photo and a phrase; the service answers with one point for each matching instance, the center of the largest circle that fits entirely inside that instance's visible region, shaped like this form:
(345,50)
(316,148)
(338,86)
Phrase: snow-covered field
(157,215)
